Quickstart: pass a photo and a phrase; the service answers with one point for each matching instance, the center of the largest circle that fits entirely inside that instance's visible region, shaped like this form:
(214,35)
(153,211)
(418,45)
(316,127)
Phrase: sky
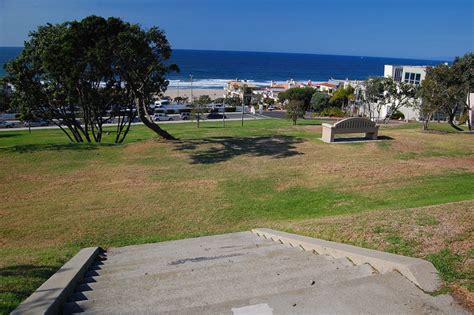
(425,29)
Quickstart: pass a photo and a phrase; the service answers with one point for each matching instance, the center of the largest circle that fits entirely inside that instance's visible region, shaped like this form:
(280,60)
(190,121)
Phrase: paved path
(240,273)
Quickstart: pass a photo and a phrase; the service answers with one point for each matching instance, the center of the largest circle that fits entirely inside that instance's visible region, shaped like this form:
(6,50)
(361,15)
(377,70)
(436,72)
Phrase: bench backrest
(354,123)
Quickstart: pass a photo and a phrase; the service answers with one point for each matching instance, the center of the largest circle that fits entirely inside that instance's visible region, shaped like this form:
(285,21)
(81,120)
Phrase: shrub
(398,115)
(332,112)
(184,110)
(463,119)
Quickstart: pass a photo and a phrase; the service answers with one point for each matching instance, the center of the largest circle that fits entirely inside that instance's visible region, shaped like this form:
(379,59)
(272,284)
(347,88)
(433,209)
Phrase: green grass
(214,180)
(447,263)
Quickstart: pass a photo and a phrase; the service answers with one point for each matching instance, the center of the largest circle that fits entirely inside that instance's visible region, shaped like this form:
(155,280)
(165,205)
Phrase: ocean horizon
(211,69)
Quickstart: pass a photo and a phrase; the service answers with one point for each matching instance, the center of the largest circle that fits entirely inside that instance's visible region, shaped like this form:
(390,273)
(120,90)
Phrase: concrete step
(206,243)
(260,256)
(240,287)
(217,271)
(388,293)
(264,256)
(212,274)
(131,261)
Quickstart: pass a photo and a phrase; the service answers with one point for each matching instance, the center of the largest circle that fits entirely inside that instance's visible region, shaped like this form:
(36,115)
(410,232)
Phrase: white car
(162,117)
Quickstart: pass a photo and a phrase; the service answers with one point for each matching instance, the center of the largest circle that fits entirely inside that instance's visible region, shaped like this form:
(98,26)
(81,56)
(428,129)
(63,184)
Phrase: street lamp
(223,110)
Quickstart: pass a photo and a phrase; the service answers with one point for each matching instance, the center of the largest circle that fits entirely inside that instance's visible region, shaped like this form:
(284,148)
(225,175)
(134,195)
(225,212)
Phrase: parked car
(270,108)
(36,123)
(185,116)
(7,124)
(162,117)
(215,115)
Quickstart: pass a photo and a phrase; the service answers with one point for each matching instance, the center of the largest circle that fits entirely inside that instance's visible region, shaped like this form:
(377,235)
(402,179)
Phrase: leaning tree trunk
(142,113)
(426,121)
(451,122)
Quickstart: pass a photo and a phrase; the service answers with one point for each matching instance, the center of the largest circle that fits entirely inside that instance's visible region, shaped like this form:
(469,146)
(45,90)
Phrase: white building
(407,74)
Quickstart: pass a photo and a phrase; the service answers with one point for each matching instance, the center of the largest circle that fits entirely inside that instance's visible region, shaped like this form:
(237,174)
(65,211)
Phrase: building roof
(326,84)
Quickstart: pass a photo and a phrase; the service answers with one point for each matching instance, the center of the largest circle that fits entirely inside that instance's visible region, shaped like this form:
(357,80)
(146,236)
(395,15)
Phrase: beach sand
(213,93)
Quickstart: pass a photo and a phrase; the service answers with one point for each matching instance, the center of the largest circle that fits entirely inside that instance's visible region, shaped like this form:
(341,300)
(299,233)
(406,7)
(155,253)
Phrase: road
(176,120)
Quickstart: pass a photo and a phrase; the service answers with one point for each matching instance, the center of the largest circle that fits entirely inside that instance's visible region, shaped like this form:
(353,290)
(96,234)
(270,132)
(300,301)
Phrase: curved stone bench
(350,125)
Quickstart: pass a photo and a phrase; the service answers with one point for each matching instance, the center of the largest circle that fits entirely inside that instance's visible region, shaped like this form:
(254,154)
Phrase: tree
(294,110)
(320,101)
(5,96)
(180,99)
(233,101)
(78,73)
(257,99)
(398,95)
(430,103)
(342,96)
(373,96)
(140,59)
(199,107)
(444,90)
(463,68)
(385,92)
(268,101)
(303,94)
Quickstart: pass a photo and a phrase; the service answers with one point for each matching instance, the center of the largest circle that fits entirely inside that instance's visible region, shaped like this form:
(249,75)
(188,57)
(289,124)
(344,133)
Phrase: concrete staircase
(242,273)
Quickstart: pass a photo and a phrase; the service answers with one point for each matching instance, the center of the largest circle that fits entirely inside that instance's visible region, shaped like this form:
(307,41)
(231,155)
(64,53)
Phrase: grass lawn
(412,195)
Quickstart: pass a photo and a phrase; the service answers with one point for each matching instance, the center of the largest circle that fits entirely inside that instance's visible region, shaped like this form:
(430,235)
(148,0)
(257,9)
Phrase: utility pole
(191,78)
(192,100)
(223,110)
(178,89)
(243,102)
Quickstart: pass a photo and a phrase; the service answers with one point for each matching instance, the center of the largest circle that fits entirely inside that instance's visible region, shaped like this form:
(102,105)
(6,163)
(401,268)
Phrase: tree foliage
(5,96)
(398,95)
(342,96)
(80,73)
(303,94)
(383,92)
(268,101)
(443,91)
(180,99)
(295,109)
(200,106)
(319,101)
(233,101)
(373,97)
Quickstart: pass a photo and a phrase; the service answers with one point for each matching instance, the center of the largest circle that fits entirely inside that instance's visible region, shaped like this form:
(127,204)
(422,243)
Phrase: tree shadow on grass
(8,135)
(30,148)
(225,148)
(20,281)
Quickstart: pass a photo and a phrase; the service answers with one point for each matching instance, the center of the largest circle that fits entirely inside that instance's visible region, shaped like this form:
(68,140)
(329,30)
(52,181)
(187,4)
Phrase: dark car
(215,115)
(185,115)
(7,124)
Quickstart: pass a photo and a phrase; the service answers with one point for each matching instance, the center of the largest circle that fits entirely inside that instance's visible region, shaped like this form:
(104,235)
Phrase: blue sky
(430,29)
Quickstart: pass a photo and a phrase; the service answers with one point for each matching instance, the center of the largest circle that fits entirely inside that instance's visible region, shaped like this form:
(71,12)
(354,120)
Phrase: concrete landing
(242,273)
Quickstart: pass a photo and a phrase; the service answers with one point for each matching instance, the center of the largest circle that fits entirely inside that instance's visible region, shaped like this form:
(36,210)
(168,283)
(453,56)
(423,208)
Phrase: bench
(350,125)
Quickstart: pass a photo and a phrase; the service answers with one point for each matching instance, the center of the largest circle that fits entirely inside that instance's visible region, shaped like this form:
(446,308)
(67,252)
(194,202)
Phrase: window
(418,78)
(407,76)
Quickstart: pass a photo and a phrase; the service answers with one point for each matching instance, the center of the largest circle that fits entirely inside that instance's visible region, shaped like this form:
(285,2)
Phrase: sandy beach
(213,93)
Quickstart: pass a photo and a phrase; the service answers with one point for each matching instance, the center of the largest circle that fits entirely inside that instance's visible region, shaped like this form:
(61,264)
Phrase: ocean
(211,69)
